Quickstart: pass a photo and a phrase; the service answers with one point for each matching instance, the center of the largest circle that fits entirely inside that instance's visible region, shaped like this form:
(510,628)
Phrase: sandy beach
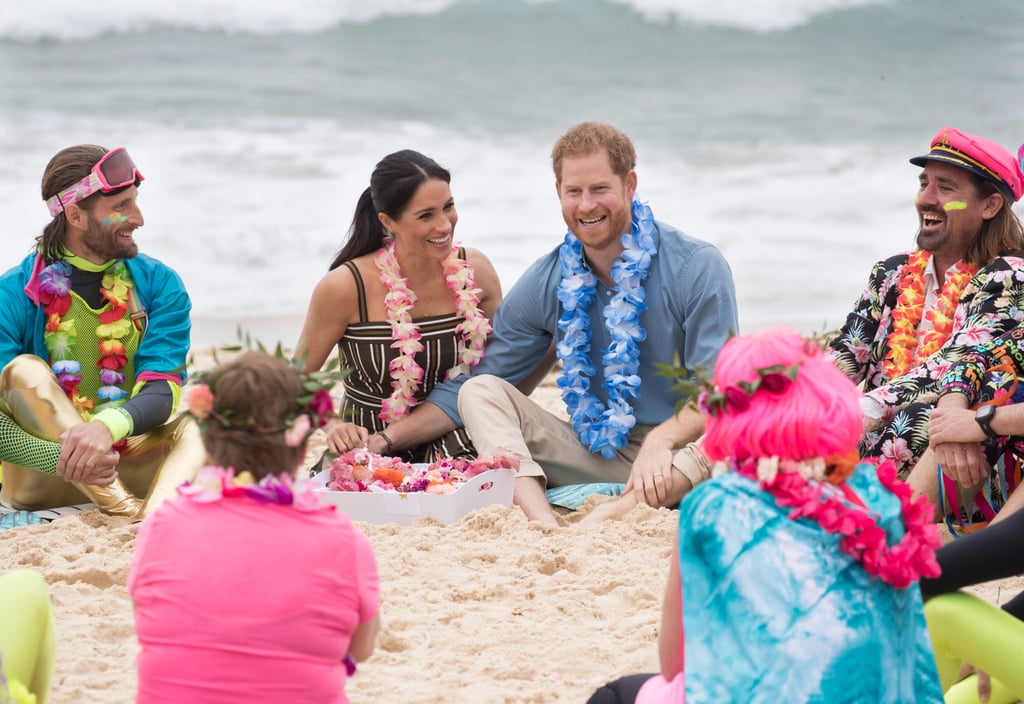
(488,609)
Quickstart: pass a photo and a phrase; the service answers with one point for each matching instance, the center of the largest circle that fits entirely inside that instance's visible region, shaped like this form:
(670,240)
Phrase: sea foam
(63,20)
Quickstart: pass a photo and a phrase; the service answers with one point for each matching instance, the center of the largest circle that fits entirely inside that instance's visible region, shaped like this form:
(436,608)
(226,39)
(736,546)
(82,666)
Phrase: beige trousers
(152,465)
(497,415)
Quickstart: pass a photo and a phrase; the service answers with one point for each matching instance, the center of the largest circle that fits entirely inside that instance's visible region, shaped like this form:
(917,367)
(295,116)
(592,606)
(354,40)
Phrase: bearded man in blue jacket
(93,344)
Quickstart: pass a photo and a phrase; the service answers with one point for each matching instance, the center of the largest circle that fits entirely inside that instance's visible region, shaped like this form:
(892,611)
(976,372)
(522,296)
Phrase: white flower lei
(601,428)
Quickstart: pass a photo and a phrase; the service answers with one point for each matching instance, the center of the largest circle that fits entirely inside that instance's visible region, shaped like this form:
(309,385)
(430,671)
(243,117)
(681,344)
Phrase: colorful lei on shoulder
(406,374)
(362,470)
(602,428)
(817,490)
(906,349)
(214,483)
(60,334)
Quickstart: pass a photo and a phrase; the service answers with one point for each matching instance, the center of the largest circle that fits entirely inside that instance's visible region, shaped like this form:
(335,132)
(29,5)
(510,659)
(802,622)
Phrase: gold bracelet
(387,439)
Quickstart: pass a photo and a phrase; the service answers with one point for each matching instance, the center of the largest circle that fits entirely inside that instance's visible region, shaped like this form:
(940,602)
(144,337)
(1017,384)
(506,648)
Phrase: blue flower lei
(601,428)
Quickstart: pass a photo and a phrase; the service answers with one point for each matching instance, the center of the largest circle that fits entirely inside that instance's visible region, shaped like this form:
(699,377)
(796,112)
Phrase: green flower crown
(313,407)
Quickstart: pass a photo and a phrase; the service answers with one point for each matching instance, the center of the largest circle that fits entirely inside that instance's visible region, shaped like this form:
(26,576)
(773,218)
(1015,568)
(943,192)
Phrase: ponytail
(393,184)
(365,234)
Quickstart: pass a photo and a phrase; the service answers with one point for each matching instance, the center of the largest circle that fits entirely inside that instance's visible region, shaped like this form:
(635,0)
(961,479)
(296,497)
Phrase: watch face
(984,418)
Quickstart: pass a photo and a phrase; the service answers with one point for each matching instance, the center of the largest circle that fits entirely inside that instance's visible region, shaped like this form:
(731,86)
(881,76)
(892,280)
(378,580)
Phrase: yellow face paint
(113,219)
(955,205)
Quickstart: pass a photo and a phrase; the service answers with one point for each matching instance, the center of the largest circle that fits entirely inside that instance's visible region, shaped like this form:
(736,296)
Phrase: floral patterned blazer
(990,305)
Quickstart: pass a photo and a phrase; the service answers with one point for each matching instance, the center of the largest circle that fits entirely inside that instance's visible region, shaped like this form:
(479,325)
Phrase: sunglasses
(114,171)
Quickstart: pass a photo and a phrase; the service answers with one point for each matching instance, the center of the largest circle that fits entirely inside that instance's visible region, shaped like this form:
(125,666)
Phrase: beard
(106,242)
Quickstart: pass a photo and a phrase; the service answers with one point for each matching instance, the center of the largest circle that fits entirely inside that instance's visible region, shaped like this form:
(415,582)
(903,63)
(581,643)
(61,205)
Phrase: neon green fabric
(966,628)
(118,421)
(24,449)
(87,351)
(28,640)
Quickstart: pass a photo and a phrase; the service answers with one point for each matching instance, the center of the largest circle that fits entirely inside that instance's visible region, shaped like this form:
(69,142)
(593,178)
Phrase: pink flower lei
(362,470)
(862,538)
(406,374)
(214,483)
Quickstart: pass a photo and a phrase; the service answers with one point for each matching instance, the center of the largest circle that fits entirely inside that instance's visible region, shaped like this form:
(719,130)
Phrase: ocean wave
(62,20)
(251,214)
(772,16)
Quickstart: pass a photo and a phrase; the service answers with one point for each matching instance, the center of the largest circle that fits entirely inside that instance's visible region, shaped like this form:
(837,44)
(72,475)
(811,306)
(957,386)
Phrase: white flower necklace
(406,374)
(602,428)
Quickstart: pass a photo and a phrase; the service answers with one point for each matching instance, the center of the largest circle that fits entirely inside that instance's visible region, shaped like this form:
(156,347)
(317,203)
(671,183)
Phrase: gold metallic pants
(152,465)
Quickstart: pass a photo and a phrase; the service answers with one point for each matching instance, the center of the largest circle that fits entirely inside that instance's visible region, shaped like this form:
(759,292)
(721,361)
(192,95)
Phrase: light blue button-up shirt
(691,312)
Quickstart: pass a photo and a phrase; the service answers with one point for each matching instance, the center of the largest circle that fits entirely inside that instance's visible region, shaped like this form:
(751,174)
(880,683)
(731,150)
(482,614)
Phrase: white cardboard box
(485,489)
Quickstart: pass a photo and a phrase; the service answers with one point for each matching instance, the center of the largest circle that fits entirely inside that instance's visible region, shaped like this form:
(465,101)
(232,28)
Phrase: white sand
(489,609)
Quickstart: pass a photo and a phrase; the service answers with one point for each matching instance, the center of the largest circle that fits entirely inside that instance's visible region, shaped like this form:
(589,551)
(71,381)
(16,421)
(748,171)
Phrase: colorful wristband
(117,420)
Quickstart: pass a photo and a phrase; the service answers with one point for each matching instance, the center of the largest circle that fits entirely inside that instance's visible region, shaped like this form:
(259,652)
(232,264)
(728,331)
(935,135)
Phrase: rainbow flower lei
(214,483)
(905,348)
(804,487)
(406,374)
(601,428)
(60,334)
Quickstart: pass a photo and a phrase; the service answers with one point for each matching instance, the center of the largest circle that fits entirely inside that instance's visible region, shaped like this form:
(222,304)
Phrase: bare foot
(610,510)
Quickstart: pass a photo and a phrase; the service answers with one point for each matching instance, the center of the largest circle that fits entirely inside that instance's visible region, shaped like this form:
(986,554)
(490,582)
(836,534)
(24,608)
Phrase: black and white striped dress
(366,349)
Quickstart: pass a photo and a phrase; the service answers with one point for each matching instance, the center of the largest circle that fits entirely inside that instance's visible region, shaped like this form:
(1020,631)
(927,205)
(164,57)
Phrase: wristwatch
(984,416)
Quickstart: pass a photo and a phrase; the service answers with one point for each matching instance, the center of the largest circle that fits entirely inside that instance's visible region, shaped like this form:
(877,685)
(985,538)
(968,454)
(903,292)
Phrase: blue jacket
(163,349)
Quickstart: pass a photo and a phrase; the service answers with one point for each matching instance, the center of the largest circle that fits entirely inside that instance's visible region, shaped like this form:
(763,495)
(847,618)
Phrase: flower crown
(775,380)
(313,407)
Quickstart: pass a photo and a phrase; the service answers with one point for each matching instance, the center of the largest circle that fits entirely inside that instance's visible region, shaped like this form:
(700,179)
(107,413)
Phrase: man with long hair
(923,310)
(93,345)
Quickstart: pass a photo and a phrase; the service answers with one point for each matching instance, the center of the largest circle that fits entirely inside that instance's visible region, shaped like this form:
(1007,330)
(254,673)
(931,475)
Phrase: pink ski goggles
(114,171)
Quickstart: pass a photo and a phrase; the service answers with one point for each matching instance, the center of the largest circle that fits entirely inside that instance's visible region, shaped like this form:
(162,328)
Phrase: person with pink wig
(798,561)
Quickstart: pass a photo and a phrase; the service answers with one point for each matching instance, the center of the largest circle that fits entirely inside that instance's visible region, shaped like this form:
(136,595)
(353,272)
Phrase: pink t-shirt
(658,690)
(238,601)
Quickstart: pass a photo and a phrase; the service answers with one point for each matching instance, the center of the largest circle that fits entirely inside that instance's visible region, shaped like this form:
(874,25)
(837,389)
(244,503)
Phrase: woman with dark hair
(247,587)
(407,307)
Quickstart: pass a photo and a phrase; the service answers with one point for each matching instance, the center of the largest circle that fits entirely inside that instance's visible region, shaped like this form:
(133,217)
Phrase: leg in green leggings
(28,641)
(966,628)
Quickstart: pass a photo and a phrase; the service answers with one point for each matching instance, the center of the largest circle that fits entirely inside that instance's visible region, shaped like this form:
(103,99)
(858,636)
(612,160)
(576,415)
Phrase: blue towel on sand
(16,519)
(572,496)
